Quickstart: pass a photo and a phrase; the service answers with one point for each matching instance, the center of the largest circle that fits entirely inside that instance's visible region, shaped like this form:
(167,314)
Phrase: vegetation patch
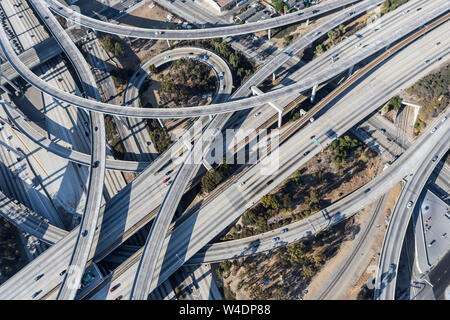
(432,94)
(10,257)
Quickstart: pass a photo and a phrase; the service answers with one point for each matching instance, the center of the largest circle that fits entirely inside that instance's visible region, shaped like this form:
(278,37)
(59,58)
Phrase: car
(410,203)
(62,272)
(223,87)
(84,234)
(166,57)
(36,293)
(367,190)
(96,163)
(434,158)
(257,114)
(169,172)
(428,60)
(242,183)
(38,277)
(405,11)
(305,153)
(114,288)
(334,57)
(383,130)
(275,239)
(357,45)
(443,119)
(284,230)
(119,298)
(433,130)
(166,179)
(190,53)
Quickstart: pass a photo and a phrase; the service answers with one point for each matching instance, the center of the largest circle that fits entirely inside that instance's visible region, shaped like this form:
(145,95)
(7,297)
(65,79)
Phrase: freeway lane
(241,104)
(203,225)
(219,32)
(386,276)
(88,224)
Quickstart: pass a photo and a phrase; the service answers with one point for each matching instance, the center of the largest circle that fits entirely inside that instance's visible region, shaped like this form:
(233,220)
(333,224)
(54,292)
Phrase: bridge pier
(5,89)
(206,164)
(273,76)
(350,71)
(161,123)
(269,34)
(313,94)
(168,43)
(257,91)
(307,22)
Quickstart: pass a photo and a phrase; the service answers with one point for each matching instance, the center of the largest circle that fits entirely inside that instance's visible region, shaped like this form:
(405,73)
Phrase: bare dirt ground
(353,284)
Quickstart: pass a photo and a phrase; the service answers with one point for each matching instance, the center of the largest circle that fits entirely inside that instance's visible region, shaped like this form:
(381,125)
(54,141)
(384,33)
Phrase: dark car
(62,272)
(114,288)
(119,298)
(305,153)
(36,294)
(84,234)
(38,277)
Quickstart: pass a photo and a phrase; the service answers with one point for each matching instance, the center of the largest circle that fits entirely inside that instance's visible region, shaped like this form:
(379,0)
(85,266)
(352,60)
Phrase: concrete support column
(12,84)
(307,22)
(161,123)
(350,71)
(129,40)
(207,165)
(313,94)
(269,33)
(257,91)
(4,89)
(168,43)
(273,76)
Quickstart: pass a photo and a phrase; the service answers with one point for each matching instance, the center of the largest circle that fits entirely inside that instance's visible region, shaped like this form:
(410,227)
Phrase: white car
(242,183)
(410,204)
(443,119)
(433,130)
(357,45)
(257,114)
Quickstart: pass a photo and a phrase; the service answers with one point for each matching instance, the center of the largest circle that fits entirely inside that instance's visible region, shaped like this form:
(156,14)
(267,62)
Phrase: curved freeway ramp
(386,276)
(236,105)
(88,224)
(219,32)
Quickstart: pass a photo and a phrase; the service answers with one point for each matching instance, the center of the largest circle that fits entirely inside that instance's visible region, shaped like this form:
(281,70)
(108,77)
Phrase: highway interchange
(169,253)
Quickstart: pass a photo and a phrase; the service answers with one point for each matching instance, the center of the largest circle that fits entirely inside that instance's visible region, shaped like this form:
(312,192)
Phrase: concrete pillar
(12,84)
(307,22)
(257,91)
(161,123)
(269,33)
(168,43)
(187,144)
(4,89)
(210,117)
(350,71)
(313,94)
(207,165)
(273,76)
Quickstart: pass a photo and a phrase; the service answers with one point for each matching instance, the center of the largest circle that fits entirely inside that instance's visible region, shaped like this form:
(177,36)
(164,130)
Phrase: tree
(319,50)
(395,103)
(270,201)
(152,69)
